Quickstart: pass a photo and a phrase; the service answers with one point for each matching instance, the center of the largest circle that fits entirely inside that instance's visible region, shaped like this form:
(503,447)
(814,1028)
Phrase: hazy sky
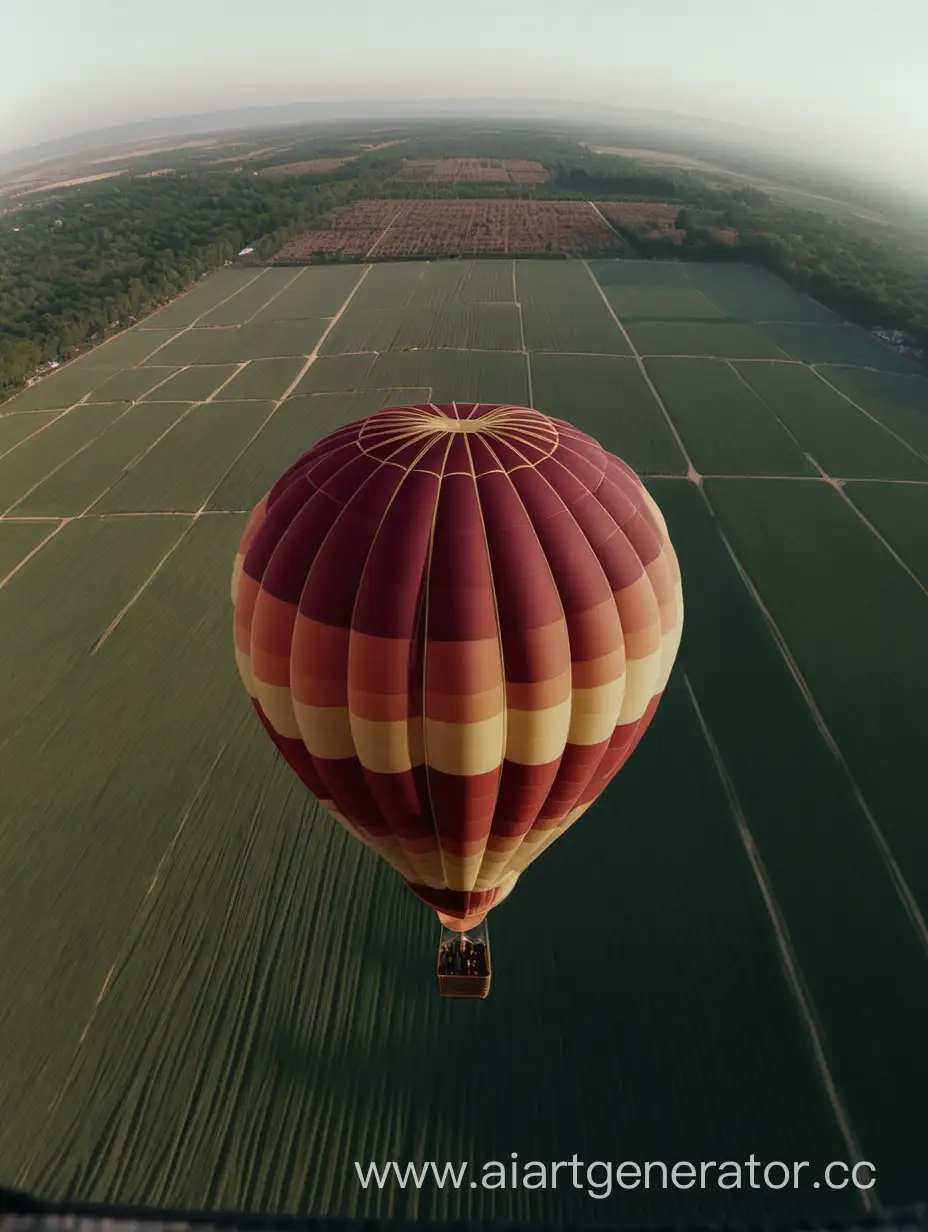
(847,73)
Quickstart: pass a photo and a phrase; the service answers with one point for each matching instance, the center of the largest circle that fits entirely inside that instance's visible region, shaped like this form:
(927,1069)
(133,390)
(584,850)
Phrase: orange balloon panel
(456,622)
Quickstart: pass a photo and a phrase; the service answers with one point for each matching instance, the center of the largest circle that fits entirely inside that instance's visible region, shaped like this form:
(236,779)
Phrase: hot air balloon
(456,622)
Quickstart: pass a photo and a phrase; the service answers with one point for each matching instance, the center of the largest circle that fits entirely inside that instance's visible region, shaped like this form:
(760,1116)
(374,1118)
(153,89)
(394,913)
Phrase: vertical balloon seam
(543,844)
(504,870)
(411,438)
(401,865)
(665,544)
(308,462)
(425,654)
(499,639)
(281,542)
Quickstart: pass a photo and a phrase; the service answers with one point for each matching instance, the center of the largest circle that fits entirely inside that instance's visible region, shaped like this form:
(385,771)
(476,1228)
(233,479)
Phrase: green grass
(643,289)
(292,430)
(898,402)
(329,374)
(672,303)
(565,283)
(43,634)
(126,350)
(468,326)
(846,443)
(367,330)
(235,344)
(640,275)
(844,917)
(454,375)
(35,457)
(250,891)
(251,299)
(563,310)
(182,470)
(264,378)
(58,390)
(855,623)
(488,282)
(202,298)
(130,384)
(443,282)
(18,539)
(193,346)
(271,339)
(748,293)
(478,327)
(317,291)
(73,487)
(388,286)
(837,344)
(573,328)
(702,338)
(105,753)
(14,428)
(899,511)
(609,399)
(192,384)
(727,430)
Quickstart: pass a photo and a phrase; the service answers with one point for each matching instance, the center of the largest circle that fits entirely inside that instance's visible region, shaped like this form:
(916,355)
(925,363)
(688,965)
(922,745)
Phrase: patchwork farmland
(390,229)
(211,997)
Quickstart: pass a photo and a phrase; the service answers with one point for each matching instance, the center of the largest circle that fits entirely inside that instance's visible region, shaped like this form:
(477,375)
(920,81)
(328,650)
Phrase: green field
(722,340)
(609,398)
(211,997)
(843,440)
(726,428)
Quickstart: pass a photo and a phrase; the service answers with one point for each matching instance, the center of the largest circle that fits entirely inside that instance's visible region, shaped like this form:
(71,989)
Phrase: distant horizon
(667,124)
(831,81)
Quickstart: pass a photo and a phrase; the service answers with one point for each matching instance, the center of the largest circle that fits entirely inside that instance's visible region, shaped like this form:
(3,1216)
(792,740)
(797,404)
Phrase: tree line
(76,265)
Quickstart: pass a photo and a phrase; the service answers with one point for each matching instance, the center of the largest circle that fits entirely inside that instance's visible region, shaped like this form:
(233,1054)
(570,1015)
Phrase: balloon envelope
(456,622)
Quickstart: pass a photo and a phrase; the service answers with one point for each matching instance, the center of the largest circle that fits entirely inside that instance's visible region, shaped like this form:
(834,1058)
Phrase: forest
(79,264)
(76,266)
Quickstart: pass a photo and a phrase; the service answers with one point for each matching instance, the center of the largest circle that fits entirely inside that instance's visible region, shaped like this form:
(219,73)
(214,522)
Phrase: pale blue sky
(847,74)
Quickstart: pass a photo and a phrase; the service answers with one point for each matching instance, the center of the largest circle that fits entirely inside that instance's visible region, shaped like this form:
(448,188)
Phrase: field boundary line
(298,273)
(838,485)
(154,444)
(881,537)
(691,472)
(310,360)
(114,623)
(186,328)
(58,414)
(123,949)
(626,247)
(903,891)
(788,959)
(528,358)
(383,233)
(823,474)
(141,327)
(71,456)
(62,522)
(857,407)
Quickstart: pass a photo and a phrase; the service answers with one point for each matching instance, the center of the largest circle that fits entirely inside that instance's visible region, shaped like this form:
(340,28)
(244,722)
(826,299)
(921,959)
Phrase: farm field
(726,428)
(471,171)
(206,984)
(419,228)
